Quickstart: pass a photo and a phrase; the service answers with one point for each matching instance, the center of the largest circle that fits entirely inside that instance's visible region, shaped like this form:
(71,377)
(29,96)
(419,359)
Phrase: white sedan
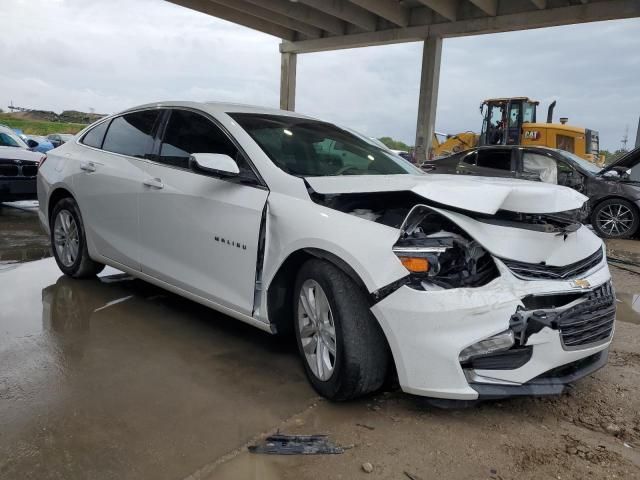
(467,288)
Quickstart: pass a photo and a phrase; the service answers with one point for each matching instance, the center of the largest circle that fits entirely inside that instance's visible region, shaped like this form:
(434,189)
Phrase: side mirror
(214,163)
(32,143)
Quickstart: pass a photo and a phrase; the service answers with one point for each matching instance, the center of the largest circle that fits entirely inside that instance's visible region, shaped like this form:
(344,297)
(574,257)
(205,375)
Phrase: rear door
(110,182)
(200,232)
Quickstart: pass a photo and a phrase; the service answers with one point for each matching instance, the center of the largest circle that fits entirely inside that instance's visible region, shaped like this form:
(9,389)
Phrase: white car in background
(469,288)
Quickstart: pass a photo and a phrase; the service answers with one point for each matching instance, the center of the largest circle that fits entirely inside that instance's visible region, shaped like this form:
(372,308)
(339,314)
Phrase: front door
(199,232)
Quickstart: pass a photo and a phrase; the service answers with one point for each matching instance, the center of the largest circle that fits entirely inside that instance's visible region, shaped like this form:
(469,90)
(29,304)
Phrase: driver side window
(566,174)
(189,132)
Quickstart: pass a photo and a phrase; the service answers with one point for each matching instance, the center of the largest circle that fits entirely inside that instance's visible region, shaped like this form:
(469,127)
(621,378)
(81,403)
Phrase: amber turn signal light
(415,264)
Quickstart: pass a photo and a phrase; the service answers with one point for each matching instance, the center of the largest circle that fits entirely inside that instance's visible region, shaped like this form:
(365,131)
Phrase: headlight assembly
(437,253)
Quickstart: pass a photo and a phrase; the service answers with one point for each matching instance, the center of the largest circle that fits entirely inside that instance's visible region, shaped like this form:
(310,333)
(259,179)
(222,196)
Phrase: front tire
(615,218)
(343,349)
(69,241)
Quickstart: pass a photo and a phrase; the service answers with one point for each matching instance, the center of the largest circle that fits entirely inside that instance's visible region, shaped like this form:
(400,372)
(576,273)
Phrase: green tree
(394,144)
(610,157)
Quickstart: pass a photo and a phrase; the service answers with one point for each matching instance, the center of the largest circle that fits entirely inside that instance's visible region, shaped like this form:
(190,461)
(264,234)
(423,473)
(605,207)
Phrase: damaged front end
(493,304)
(439,254)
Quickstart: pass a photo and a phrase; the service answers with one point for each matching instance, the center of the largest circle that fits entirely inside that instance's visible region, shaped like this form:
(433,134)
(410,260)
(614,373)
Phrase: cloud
(81,54)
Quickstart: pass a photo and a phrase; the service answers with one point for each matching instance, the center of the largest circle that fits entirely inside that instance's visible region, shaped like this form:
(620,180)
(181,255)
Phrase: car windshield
(311,148)
(582,163)
(9,139)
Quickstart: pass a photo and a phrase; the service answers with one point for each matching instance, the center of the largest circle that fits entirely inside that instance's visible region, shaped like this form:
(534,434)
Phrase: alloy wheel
(317,330)
(615,219)
(66,238)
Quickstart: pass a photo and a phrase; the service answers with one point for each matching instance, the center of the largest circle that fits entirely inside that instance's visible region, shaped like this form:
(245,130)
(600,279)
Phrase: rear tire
(356,358)
(615,218)
(69,242)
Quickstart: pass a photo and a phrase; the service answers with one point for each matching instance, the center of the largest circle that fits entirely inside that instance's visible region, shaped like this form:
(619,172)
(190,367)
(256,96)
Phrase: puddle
(628,307)
(115,378)
(21,237)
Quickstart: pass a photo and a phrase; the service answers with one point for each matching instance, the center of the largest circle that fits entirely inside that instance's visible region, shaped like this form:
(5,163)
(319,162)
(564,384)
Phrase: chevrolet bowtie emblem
(580,283)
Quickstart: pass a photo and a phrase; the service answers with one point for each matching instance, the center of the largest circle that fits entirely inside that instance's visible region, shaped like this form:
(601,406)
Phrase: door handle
(88,166)
(154,183)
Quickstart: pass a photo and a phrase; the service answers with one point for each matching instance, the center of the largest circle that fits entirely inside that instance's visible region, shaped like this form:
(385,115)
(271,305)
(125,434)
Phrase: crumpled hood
(476,194)
(628,160)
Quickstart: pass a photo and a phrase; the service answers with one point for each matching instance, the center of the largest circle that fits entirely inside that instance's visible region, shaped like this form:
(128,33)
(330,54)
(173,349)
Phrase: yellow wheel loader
(512,121)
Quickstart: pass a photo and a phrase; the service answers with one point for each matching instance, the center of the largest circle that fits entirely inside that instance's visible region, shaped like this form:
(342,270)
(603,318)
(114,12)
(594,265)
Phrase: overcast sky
(110,55)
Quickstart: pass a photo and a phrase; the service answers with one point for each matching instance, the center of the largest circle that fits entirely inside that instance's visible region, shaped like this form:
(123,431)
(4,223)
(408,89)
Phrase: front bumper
(20,188)
(427,331)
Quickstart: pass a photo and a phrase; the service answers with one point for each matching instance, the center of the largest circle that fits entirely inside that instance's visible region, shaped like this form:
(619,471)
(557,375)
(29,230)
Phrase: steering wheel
(346,169)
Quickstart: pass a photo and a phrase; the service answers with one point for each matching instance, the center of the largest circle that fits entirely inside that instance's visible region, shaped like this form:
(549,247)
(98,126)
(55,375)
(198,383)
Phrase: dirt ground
(593,431)
(115,379)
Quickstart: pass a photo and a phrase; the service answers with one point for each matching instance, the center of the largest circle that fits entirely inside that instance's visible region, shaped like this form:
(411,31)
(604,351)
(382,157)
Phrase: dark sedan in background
(18,168)
(613,191)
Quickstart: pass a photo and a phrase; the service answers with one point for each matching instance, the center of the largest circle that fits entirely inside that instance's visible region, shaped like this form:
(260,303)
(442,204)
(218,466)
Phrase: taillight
(42,160)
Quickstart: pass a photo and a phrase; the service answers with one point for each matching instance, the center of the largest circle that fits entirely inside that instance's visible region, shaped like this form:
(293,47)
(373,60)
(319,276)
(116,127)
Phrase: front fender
(295,224)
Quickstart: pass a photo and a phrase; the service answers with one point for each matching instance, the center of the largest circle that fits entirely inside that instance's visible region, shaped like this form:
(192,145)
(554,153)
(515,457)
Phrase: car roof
(513,147)
(219,107)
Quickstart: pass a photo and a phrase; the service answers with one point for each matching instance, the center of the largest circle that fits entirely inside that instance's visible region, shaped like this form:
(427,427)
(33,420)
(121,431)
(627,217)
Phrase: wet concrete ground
(112,378)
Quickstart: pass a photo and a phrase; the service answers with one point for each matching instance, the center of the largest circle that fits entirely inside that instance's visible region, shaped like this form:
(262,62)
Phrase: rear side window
(132,134)
(189,132)
(496,159)
(95,136)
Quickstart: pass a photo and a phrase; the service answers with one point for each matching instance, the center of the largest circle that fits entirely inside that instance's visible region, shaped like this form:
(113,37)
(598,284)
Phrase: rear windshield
(311,148)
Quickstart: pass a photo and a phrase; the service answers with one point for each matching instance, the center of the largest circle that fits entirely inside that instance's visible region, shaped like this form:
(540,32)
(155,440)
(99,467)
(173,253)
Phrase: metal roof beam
(235,16)
(273,17)
(490,7)
(303,13)
(446,8)
(346,11)
(551,17)
(387,9)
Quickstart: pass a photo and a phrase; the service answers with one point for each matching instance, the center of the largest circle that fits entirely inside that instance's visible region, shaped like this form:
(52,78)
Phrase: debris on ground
(411,476)
(281,444)
(364,425)
(367,467)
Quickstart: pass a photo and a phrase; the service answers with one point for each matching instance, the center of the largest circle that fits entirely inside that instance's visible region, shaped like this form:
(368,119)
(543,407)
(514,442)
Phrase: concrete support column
(288,81)
(428,101)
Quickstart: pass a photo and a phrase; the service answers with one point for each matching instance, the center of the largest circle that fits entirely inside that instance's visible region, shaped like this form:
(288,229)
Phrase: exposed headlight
(423,258)
(439,255)
(497,343)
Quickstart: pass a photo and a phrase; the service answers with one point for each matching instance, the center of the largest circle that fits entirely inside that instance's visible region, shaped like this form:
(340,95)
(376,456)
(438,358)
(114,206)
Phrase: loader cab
(503,119)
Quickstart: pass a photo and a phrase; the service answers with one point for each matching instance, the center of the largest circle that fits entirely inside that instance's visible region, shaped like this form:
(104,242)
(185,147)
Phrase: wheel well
(280,291)
(280,296)
(55,197)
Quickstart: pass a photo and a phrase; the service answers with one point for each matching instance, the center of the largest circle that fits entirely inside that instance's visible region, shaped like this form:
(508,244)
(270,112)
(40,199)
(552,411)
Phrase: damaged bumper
(560,329)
